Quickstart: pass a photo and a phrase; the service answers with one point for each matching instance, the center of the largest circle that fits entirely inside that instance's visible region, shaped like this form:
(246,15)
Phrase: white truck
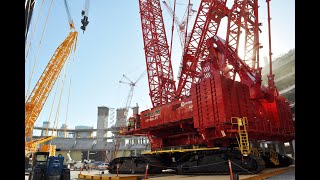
(77,165)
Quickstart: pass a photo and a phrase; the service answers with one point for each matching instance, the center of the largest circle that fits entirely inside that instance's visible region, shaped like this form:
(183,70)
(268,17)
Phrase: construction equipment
(84,14)
(38,96)
(182,25)
(130,94)
(48,167)
(42,89)
(211,117)
(29,6)
(119,124)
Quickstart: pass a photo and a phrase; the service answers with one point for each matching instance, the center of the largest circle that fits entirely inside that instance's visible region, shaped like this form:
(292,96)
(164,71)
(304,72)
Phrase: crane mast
(243,16)
(40,92)
(206,25)
(44,85)
(252,44)
(159,68)
(232,37)
(181,25)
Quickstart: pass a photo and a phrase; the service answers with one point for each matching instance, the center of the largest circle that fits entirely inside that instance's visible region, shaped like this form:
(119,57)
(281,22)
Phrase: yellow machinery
(40,92)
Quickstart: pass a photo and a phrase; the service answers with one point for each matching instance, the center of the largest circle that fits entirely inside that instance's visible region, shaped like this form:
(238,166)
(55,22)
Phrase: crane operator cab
(84,21)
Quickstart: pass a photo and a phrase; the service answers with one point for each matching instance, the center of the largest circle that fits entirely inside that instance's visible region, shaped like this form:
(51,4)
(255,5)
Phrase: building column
(276,145)
(254,144)
(282,148)
(292,145)
(272,146)
(263,147)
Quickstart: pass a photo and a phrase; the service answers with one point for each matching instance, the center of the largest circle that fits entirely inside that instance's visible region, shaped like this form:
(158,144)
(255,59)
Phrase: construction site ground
(287,173)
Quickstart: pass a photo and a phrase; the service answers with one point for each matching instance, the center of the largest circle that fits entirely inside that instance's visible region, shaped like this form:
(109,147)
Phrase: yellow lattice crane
(40,93)
(42,89)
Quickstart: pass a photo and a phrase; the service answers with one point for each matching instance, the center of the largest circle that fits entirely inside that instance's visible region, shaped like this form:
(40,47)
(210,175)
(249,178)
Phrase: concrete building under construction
(81,143)
(102,122)
(121,119)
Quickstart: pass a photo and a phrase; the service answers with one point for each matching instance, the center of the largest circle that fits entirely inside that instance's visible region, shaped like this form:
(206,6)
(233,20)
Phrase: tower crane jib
(132,85)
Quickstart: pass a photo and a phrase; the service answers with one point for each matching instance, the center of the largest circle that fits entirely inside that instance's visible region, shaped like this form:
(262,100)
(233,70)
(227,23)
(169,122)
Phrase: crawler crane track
(214,162)
(135,165)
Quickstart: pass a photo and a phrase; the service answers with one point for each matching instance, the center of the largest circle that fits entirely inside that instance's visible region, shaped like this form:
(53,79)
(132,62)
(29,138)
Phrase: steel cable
(241,167)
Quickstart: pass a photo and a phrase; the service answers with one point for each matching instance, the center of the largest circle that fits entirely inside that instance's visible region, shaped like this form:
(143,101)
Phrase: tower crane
(122,122)
(204,122)
(41,91)
(130,94)
(181,24)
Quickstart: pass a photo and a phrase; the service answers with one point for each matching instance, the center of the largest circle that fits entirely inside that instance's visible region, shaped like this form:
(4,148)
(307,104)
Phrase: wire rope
(30,76)
(33,30)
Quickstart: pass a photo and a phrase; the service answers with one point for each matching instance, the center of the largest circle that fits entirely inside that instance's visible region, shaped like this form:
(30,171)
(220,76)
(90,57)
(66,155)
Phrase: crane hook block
(84,22)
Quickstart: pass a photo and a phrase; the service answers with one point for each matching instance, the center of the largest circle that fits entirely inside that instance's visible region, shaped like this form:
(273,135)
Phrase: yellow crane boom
(40,92)
(31,145)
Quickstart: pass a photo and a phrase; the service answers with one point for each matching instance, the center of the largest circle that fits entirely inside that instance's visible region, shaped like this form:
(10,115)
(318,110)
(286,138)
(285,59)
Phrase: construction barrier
(103,177)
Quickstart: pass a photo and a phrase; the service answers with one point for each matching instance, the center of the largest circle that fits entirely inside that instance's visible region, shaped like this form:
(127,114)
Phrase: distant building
(121,119)
(63,133)
(84,134)
(283,68)
(102,122)
(83,145)
(45,124)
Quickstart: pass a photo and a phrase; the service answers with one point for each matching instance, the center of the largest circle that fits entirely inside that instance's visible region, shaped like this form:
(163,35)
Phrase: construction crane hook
(84,14)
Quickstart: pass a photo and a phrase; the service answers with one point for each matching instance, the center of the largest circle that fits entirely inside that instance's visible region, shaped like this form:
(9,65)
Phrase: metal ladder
(243,140)
(274,157)
(255,152)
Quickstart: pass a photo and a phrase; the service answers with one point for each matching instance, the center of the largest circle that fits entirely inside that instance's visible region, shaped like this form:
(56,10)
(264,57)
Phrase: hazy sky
(112,46)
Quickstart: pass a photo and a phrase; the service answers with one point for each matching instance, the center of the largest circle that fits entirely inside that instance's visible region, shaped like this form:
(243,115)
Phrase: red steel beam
(206,25)
(159,68)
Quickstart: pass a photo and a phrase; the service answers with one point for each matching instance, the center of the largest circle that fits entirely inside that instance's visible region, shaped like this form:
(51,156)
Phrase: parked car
(77,165)
(103,166)
(94,165)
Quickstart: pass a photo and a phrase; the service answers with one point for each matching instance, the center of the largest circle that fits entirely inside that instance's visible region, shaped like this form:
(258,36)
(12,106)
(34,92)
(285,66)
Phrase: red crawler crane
(210,117)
